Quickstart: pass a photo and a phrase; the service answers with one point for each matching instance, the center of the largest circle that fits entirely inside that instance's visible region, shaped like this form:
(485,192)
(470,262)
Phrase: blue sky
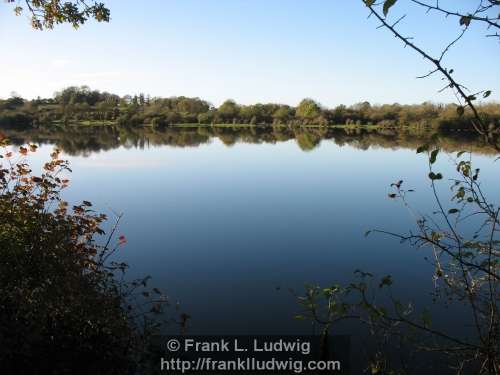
(250,51)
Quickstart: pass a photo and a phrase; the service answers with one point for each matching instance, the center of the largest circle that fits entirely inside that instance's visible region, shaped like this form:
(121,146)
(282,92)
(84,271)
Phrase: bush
(62,308)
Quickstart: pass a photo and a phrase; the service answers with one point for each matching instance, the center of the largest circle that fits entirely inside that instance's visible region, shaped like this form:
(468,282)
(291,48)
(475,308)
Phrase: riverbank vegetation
(83,106)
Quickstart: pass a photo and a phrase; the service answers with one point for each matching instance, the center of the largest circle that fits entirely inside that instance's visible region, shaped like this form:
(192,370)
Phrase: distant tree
(252,114)
(47,13)
(14,102)
(142,99)
(338,114)
(308,109)
(173,118)
(228,110)
(283,114)
(191,105)
(206,117)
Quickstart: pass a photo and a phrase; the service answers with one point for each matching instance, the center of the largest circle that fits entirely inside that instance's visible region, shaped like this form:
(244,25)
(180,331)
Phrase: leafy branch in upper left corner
(45,14)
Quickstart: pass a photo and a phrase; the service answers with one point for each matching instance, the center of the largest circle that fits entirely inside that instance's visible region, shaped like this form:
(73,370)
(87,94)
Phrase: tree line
(79,105)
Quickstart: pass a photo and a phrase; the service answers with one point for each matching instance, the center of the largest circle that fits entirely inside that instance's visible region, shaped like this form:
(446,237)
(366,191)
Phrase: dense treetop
(81,105)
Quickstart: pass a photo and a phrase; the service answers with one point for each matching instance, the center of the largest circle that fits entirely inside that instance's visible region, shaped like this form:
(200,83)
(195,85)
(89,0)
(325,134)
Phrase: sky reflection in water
(228,231)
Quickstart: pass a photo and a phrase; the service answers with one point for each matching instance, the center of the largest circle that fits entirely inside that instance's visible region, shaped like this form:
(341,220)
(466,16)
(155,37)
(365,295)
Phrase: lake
(230,221)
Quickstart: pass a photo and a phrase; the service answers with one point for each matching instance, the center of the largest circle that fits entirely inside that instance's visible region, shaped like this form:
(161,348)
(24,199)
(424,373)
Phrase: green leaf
(460,110)
(460,153)
(487,93)
(387,5)
(453,211)
(369,3)
(433,156)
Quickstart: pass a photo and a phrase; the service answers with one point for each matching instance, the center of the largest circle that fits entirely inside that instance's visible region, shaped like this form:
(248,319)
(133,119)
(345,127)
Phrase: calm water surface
(229,230)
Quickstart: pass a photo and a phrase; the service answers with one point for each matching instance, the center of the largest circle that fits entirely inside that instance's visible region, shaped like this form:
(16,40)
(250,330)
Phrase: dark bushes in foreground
(63,308)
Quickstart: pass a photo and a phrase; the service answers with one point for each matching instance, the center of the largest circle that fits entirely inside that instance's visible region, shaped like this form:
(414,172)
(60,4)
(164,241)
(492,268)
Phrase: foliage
(80,104)
(64,304)
(45,14)
(308,109)
(462,239)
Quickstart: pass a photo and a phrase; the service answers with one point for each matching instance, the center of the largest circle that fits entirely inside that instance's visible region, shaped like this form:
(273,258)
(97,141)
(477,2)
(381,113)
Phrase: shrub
(62,306)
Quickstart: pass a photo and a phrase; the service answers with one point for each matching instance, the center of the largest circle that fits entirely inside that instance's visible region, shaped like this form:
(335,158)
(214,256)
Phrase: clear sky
(250,51)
